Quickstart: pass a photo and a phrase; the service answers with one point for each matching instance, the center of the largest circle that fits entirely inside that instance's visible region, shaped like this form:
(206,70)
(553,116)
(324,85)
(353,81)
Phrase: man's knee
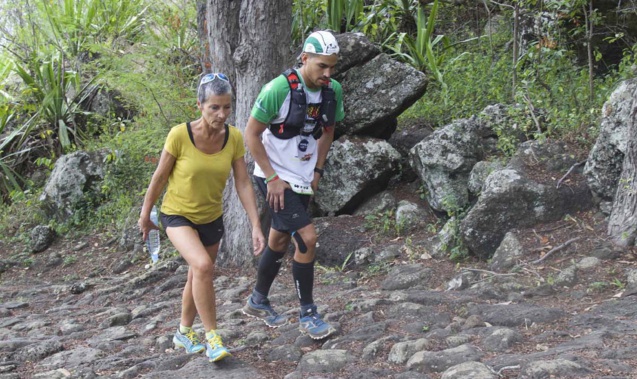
(305,239)
(278,241)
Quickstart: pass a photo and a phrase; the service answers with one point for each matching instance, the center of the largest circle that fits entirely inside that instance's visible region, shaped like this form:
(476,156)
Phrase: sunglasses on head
(210,77)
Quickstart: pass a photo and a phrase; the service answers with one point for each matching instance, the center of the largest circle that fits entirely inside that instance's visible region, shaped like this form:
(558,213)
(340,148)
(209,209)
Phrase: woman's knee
(201,268)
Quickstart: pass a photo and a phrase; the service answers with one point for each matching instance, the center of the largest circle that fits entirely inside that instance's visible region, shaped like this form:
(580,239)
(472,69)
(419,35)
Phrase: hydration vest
(295,121)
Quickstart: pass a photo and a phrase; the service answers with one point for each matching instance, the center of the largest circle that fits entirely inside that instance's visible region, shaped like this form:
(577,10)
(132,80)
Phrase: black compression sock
(303,274)
(269,266)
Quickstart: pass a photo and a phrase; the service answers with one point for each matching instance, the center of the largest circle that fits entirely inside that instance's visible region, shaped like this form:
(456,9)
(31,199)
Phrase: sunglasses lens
(210,77)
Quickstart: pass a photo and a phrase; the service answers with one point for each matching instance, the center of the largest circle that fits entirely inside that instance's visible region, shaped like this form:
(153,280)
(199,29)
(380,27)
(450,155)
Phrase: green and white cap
(322,43)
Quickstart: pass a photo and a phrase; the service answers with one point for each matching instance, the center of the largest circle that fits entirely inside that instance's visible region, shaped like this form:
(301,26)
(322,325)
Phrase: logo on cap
(322,43)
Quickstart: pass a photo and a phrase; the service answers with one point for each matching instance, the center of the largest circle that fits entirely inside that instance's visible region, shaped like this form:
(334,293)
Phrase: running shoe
(265,312)
(189,341)
(214,348)
(312,324)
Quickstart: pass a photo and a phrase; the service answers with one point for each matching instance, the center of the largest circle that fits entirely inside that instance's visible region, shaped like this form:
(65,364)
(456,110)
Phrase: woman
(196,163)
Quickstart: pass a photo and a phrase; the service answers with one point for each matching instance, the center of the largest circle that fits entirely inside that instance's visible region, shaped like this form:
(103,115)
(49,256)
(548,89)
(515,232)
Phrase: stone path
(395,321)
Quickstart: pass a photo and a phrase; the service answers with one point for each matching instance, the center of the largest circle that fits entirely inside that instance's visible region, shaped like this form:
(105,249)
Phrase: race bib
(302,190)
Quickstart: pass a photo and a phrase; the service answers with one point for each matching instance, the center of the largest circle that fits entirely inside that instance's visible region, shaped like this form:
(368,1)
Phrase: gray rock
(72,358)
(473,370)
(379,203)
(604,164)
(355,49)
(567,277)
(373,349)
(439,361)
(443,162)
(374,101)
(75,177)
(402,351)
(41,238)
(407,276)
(409,215)
(324,361)
(285,353)
(479,174)
(501,339)
(513,199)
(516,314)
(507,254)
(38,351)
(356,169)
(557,368)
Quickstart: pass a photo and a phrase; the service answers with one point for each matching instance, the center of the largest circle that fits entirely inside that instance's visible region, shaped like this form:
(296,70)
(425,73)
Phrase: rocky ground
(80,309)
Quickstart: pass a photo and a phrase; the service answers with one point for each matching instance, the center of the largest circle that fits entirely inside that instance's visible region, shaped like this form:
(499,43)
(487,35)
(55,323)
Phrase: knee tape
(299,241)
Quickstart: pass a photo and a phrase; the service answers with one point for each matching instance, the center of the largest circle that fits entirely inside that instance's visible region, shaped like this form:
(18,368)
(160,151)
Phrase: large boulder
(75,181)
(604,165)
(376,92)
(356,169)
(517,197)
(444,160)
(355,50)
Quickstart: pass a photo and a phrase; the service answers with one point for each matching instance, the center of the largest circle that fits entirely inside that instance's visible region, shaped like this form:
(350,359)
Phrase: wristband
(319,171)
(272,178)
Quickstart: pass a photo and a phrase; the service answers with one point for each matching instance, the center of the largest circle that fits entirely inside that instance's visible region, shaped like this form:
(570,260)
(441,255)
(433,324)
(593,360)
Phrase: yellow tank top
(196,183)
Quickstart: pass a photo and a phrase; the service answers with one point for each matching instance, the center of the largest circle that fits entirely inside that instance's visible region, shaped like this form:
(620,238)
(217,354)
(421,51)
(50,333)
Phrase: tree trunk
(622,224)
(516,27)
(250,42)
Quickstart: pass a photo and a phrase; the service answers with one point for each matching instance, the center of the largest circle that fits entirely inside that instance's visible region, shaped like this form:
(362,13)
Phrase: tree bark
(622,224)
(250,42)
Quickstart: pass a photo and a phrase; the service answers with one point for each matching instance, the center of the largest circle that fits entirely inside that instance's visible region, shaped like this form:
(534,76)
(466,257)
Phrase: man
(289,133)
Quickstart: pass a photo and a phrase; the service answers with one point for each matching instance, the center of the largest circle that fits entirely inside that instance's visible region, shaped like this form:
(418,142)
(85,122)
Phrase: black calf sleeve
(269,266)
(303,274)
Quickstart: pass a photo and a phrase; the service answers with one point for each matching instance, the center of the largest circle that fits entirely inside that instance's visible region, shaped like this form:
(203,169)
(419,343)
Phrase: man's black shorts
(209,233)
(294,215)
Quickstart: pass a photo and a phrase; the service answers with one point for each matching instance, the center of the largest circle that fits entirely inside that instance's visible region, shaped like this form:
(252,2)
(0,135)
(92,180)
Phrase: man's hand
(315,182)
(275,198)
(258,241)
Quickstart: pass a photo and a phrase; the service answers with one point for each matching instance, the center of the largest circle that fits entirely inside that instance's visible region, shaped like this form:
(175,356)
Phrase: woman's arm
(157,184)
(243,184)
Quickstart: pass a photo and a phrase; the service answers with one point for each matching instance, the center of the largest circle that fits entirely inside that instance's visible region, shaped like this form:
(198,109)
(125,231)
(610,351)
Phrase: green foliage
(50,88)
(343,12)
(77,26)
(597,287)
(419,51)
(384,223)
(307,15)
(57,62)
(453,244)
(618,283)
(174,26)
(69,260)
(478,72)
(340,268)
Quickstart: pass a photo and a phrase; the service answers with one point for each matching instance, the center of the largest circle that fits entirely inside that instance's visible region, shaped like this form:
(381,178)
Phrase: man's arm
(324,143)
(276,187)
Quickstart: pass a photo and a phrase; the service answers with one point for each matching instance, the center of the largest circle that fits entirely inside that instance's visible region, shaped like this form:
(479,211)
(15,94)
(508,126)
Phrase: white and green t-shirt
(291,159)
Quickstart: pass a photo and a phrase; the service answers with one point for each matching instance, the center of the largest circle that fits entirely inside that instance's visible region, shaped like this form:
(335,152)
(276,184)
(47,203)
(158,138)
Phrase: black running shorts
(209,234)
(294,216)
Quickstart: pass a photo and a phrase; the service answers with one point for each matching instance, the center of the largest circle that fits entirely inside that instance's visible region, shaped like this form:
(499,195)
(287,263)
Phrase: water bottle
(152,243)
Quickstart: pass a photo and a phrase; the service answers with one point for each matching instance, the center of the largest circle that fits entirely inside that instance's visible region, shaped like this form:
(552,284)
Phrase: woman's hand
(275,196)
(258,240)
(145,225)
